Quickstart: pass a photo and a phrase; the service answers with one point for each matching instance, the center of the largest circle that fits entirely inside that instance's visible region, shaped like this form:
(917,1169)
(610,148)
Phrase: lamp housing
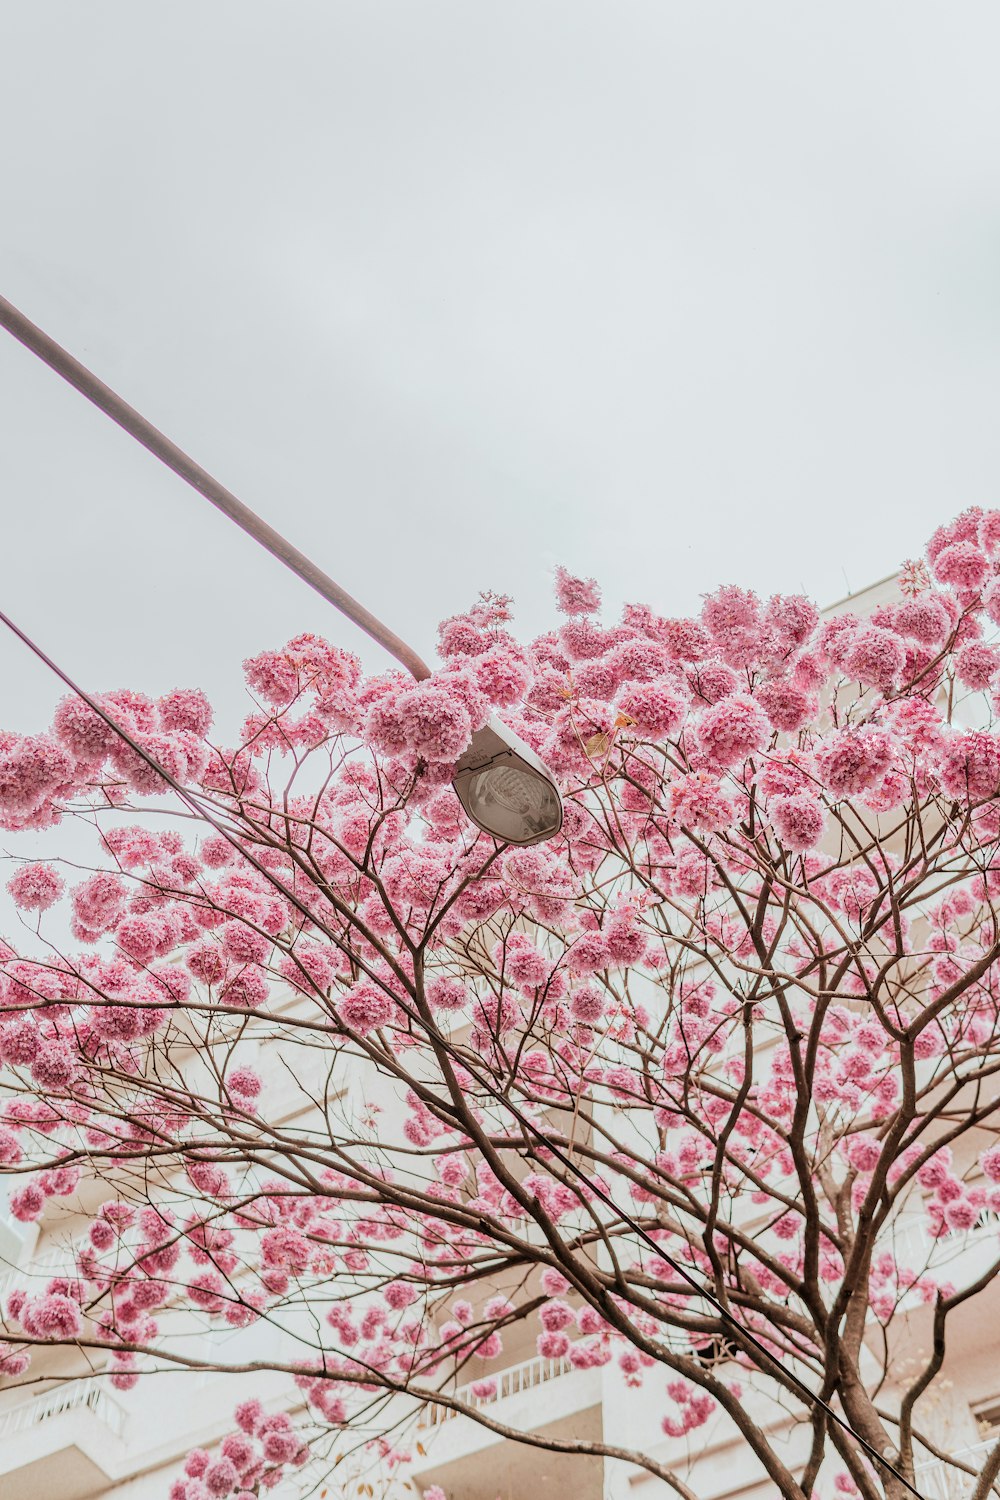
(506,789)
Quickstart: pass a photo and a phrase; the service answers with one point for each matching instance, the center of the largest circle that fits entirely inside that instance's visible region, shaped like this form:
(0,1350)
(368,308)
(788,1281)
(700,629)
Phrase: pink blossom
(248,989)
(657,708)
(221,1477)
(31,769)
(799,820)
(310,966)
(686,640)
(712,681)
(13,1362)
(19,1042)
(625,938)
(990,1162)
(55,1066)
(991,600)
(434,723)
(186,709)
(588,954)
(925,618)
(582,638)
(237,1447)
(384,727)
(555,1316)
(447,994)
(10,1148)
(365,1008)
(244,943)
(851,761)
(83,732)
(279,1442)
(792,616)
(102,1236)
(119,1215)
(730,612)
(732,730)
(876,658)
(206,1291)
(27,1203)
(245,1082)
(598,679)
(51,1316)
(576,596)
(961,1215)
(36,887)
(976,665)
(249,1415)
(935,1170)
(863,1152)
(587,1004)
(788,707)
(99,901)
(699,802)
(639,661)
(135,712)
(462,636)
(522,963)
(969,766)
(502,675)
(962,565)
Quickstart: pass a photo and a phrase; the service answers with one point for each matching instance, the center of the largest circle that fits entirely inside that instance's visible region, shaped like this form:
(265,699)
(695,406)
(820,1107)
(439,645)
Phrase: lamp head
(505,789)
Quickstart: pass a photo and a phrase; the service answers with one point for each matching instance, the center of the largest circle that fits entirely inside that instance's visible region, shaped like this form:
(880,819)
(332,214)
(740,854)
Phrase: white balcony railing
(937,1480)
(911,1242)
(81,1395)
(509,1382)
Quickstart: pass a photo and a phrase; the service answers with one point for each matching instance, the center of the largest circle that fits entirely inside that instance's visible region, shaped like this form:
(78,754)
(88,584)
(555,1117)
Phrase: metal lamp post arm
(108,401)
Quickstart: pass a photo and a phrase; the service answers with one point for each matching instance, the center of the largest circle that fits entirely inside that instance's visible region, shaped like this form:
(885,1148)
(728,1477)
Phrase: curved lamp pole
(503,786)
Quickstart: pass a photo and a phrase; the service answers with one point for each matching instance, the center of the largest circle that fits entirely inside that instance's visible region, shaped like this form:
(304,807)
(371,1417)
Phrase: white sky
(677,294)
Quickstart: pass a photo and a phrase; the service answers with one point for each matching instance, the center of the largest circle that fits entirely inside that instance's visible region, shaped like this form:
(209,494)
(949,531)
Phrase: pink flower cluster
(248,1462)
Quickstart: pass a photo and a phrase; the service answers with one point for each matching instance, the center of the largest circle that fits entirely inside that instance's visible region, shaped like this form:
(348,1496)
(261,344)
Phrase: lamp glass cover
(514,803)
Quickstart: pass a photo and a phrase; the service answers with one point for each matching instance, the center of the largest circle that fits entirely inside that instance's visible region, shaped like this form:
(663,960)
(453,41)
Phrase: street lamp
(505,789)
(503,786)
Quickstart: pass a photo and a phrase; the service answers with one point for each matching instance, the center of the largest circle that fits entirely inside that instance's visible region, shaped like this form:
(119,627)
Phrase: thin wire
(154,441)
(811,1398)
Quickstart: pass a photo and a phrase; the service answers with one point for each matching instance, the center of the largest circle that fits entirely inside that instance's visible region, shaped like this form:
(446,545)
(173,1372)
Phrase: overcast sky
(677,294)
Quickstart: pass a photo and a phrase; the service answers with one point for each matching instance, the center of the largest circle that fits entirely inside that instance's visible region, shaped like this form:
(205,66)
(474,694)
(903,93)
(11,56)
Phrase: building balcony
(937,1480)
(510,1382)
(547,1397)
(965,1252)
(67,1442)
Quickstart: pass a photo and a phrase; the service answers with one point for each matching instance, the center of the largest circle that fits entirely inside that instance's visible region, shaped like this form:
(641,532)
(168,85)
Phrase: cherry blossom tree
(665,1092)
